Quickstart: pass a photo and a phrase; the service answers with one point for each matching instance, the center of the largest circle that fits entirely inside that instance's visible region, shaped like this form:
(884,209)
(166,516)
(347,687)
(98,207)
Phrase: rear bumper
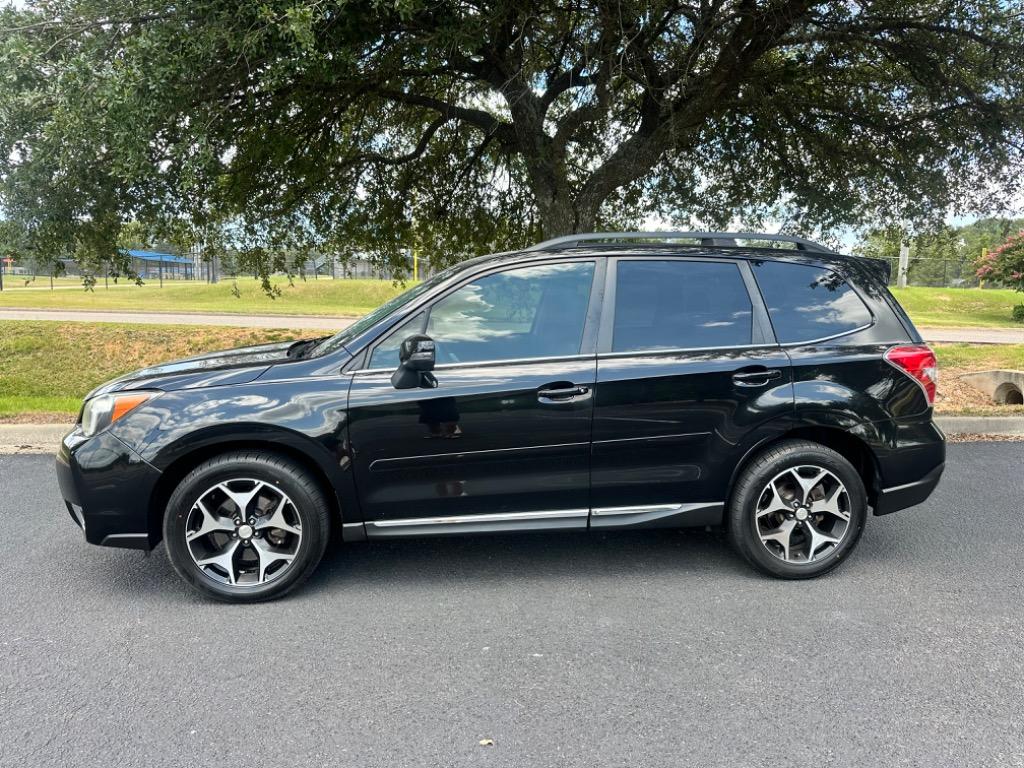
(106,487)
(907,495)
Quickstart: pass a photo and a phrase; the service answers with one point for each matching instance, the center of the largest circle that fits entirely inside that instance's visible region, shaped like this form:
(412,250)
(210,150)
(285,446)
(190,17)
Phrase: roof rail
(706,238)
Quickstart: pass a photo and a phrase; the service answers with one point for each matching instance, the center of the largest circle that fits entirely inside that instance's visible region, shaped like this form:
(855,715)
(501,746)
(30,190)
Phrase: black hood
(232,366)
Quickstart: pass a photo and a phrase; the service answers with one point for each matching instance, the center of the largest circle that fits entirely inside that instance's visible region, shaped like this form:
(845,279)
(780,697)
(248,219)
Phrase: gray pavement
(311,322)
(654,648)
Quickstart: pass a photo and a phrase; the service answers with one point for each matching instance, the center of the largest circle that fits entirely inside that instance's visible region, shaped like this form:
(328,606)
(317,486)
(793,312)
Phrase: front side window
(807,303)
(680,305)
(529,312)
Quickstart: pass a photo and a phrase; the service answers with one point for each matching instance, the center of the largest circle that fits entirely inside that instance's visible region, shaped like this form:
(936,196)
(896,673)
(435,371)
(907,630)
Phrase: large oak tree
(467,126)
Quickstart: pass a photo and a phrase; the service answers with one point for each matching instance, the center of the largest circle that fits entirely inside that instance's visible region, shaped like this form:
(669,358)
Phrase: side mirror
(416,361)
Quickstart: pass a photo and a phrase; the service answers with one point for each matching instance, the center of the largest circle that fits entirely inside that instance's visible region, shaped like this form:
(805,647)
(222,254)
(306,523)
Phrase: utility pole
(1,273)
(901,272)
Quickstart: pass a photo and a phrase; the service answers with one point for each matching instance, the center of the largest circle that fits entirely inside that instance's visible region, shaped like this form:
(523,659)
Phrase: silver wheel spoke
(775,504)
(241,500)
(781,536)
(268,555)
(277,520)
(816,540)
(830,504)
(223,559)
(807,484)
(210,524)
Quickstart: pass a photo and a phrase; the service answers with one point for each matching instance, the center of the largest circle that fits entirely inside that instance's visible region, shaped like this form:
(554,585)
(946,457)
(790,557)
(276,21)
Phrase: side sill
(353,532)
(659,515)
(561,519)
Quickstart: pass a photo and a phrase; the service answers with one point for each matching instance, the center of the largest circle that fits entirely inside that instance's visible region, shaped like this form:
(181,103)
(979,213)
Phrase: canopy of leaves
(462,126)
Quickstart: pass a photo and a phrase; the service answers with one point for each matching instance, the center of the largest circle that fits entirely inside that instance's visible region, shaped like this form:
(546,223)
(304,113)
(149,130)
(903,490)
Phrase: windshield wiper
(299,349)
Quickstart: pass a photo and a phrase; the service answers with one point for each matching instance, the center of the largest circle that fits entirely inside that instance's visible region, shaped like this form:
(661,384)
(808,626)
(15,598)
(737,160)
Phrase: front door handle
(758,378)
(562,394)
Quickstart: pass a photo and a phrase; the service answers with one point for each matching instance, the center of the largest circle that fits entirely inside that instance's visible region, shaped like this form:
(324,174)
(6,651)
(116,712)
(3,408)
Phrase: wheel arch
(853,448)
(184,463)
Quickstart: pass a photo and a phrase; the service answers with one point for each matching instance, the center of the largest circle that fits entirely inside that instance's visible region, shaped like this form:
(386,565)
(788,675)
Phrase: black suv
(597,381)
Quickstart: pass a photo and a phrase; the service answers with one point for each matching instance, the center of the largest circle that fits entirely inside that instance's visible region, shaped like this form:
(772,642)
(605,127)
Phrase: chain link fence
(938,273)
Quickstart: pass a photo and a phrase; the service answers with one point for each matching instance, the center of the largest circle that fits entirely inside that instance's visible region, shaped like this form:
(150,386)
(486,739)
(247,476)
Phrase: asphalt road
(640,649)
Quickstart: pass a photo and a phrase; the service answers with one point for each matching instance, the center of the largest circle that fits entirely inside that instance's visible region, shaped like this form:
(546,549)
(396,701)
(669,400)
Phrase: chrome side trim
(905,486)
(644,509)
(500,517)
(658,515)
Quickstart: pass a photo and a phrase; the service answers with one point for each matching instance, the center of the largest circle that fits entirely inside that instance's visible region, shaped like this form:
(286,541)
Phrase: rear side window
(807,303)
(680,305)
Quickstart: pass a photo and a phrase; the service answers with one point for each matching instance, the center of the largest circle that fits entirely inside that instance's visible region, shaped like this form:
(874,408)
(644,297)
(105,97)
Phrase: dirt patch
(41,417)
(967,437)
(958,398)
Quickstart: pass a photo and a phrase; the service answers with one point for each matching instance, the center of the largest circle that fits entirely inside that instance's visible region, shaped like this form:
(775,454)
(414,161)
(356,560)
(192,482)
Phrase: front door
(503,441)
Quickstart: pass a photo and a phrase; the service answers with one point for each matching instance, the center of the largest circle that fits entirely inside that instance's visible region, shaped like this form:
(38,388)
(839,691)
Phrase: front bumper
(107,487)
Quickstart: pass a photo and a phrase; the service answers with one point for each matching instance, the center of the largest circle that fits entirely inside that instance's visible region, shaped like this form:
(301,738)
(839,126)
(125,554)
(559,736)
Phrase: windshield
(366,322)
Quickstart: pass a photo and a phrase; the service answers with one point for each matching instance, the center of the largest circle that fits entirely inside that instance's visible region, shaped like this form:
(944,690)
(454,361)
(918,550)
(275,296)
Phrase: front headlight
(100,412)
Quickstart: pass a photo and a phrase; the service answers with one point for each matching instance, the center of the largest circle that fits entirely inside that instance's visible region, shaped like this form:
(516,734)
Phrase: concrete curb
(981,425)
(31,438)
(45,438)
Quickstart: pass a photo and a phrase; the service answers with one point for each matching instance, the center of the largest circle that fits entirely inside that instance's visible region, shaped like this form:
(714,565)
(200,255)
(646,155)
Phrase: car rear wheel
(797,510)
(246,527)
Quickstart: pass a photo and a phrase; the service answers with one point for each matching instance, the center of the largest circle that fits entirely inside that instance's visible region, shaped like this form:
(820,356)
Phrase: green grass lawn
(47,367)
(967,307)
(342,298)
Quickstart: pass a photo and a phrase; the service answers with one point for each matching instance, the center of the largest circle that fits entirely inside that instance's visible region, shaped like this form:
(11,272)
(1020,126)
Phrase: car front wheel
(246,526)
(797,510)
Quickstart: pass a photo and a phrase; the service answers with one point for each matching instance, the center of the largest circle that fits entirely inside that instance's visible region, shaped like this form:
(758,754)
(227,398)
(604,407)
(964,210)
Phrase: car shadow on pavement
(510,557)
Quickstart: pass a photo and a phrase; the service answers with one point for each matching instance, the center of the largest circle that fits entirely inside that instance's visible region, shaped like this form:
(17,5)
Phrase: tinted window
(679,305)
(528,312)
(807,303)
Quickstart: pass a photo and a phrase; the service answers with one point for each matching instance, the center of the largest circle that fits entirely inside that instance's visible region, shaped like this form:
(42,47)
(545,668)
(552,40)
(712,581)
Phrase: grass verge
(48,367)
(960,307)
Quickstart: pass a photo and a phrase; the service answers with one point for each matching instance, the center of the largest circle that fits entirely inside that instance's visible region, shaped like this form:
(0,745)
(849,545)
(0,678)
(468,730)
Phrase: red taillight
(918,362)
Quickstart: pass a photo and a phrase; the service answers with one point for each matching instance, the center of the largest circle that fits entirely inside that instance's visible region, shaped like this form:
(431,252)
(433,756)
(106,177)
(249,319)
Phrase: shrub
(1018,313)
(1005,263)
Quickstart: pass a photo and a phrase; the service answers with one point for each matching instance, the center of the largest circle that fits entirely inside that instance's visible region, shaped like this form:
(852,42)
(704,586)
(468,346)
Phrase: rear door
(503,441)
(687,369)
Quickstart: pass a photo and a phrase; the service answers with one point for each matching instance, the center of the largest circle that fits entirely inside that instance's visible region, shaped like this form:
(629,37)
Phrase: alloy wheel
(803,514)
(243,532)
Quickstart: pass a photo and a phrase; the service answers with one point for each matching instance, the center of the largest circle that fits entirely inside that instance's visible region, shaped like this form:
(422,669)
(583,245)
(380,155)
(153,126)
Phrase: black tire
(752,483)
(308,501)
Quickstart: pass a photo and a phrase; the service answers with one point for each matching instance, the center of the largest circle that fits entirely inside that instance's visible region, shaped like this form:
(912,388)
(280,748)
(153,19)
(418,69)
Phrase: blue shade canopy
(157,256)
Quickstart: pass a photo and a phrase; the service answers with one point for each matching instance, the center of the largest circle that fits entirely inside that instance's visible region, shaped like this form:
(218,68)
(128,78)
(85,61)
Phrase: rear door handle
(756,378)
(562,394)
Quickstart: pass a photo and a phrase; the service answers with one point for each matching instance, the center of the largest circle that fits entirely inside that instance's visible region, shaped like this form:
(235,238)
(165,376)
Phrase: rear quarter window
(806,303)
